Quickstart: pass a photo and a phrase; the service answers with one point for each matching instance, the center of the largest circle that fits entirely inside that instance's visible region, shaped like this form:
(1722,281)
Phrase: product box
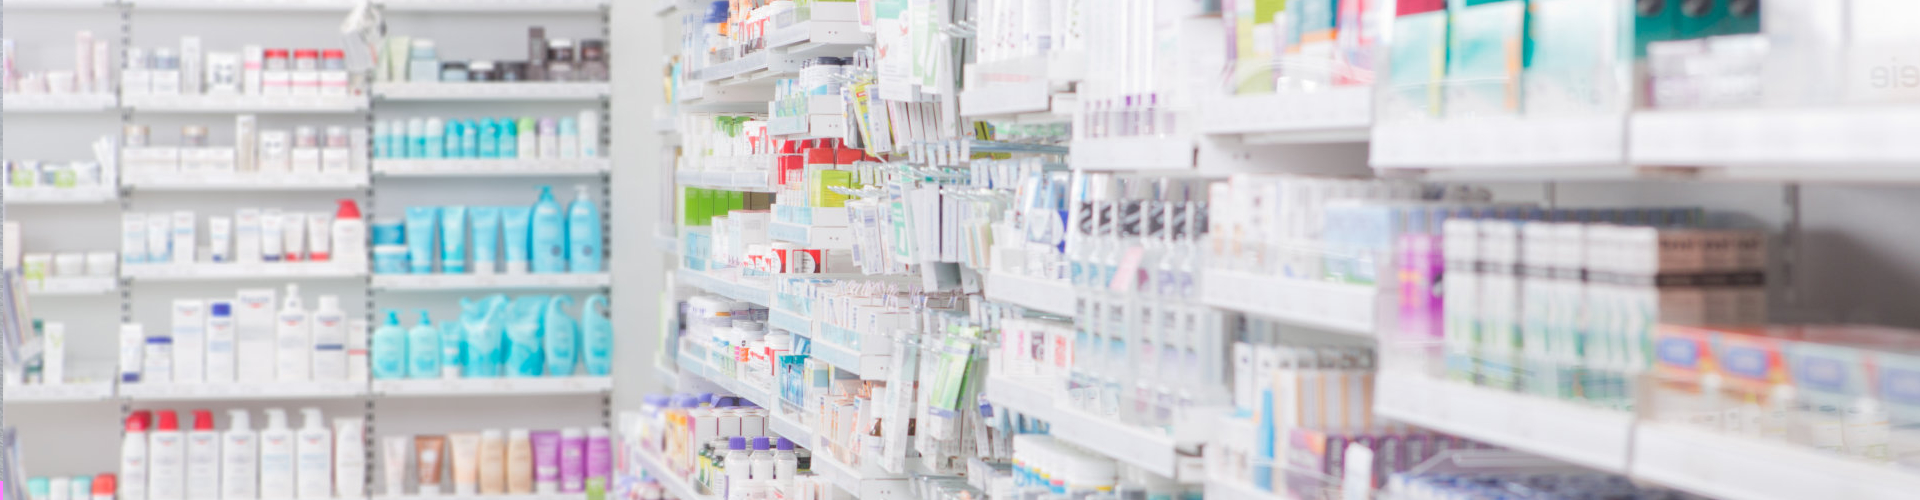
(189,341)
(207,160)
(1581,61)
(1417,65)
(1487,51)
(150,160)
(253,319)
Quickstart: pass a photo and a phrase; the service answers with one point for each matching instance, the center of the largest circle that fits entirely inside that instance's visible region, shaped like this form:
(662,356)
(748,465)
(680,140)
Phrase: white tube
(319,236)
(220,234)
(394,463)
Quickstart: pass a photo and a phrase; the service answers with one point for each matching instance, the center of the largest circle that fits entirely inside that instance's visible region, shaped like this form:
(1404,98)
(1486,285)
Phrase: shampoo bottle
(453,350)
(133,456)
(549,235)
(596,336)
(203,457)
(294,339)
(562,339)
(166,458)
(528,143)
(329,340)
(314,463)
(390,349)
(276,456)
(423,349)
(239,458)
(349,457)
(583,233)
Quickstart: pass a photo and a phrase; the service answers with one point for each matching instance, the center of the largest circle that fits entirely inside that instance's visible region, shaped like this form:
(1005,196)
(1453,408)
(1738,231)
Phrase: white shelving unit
(500,91)
(245,5)
(1745,468)
(1051,296)
(437,282)
(832,238)
(752,182)
(73,286)
(240,272)
(1151,450)
(1133,153)
(249,391)
(235,181)
(1539,144)
(495,5)
(736,291)
(1339,114)
(59,103)
(526,496)
(62,196)
(220,104)
(1576,434)
(670,481)
(1335,307)
(59,393)
(491,168)
(492,387)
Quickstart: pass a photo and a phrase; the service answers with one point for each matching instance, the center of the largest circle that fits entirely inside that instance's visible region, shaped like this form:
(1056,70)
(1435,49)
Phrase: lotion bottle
(349,457)
(166,458)
(349,234)
(133,456)
(329,340)
(276,457)
(294,348)
(423,349)
(203,457)
(313,474)
(549,236)
(390,349)
(239,458)
(583,233)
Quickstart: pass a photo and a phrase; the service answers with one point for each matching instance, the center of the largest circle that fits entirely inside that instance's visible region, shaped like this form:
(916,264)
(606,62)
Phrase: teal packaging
(39,487)
(423,349)
(485,323)
(549,238)
(455,129)
(1487,52)
(1653,22)
(487,142)
(506,142)
(514,232)
(1418,65)
(1581,58)
(453,354)
(470,139)
(486,239)
(1743,17)
(596,336)
(525,317)
(562,338)
(453,239)
(420,228)
(583,233)
(1698,18)
(389,357)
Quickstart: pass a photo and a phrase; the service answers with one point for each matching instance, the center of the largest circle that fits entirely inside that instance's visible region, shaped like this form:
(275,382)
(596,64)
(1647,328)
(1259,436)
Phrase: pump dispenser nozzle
(311,418)
(424,320)
(276,418)
(238,420)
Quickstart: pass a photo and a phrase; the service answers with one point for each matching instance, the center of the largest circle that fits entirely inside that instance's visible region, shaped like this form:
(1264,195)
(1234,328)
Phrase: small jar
(560,60)
(134,136)
(453,71)
(193,136)
(333,60)
(306,60)
(593,60)
(482,71)
(337,137)
(513,71)
(306,137)
(276,60)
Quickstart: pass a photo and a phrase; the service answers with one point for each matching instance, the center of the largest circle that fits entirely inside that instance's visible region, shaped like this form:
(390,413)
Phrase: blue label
(1679,352)
(1745,362)
(1823,374)
(1900,386)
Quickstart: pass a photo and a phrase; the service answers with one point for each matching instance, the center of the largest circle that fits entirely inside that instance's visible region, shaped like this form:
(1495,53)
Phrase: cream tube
(427,450)
(320,236)
(272,223)
(394,461)
(294,229)
(466,463)
(493,462)
(519,462)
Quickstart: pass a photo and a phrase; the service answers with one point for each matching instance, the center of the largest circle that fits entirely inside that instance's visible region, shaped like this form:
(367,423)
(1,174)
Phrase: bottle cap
(139,420)
(349,209)
(785,445)
(203,420)
(167,420)
(737,443)
(759,444)
(104,485)
(424,319)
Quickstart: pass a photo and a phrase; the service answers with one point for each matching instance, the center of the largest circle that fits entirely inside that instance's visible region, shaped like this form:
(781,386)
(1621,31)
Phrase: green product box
(1697,18)
(1417,64)
(1487,52)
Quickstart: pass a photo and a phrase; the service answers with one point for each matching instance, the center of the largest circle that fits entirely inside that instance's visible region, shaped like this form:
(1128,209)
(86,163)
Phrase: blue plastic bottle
(506,139)
(549,235)
(487,143)
(454,130)
(562,338)
(470,139)
(583,233)
(390,349)
(423,347)
(596,336)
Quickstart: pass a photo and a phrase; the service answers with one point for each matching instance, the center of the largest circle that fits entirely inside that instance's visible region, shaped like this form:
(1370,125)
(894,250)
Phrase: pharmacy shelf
(743,65)
(831,238)
(1221,489)
(761,296)
(243,103)
(1133,153)
(238,272)
(783,424)
(467,282)
(1745,468)
(1335,307)
(750,182)
(243,391)
(58,4)
(807,35)
(1051,296)
(504,91)
(525,496)
(1501,143)
(491,168)
(867,366)
(791,322)
(675,485)
(244,5)
(494,5)
(1339,114)
(73,286)
(62,196)
(780,421)
(59,103)
(59,393)
(244,182)
(1007,88)
(492,387)
(1566,431)
(1148,449)
(1792,143)
(811,126)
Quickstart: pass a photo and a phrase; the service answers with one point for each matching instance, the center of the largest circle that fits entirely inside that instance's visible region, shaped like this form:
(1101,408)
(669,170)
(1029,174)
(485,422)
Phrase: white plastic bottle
(133,457)
(239,458)
(349,457)
(203,457)
(761,461)
(276,456)
(786,465)
(293,338)
(313,474)
(738,468)
(166,458)
(349,235)
(329,340)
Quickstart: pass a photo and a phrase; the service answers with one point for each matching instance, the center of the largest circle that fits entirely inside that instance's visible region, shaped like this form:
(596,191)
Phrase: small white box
(336,160)
(151,160)
(189,341)
(207,160)
(306,160)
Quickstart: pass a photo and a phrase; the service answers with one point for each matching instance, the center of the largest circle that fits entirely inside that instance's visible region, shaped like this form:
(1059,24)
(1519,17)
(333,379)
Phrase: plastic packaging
(276,456)
(393,458)
(573,460)
(583,233)
(423,349)
(493,462)
(421,222)
(549,237)
(349,233)
(314,472)
(453,352)
(562,338)
(429,453)
(166,458)
(390,349)
(519,462)
(596,336)
(546,462)
(239,457)
(515,230)
(466,463)
(524,317)
(293,348)
(349,457)
(329,340)
(486,239)
(599,459)
(203,457)
(133,455)
(485,324)
(453,239)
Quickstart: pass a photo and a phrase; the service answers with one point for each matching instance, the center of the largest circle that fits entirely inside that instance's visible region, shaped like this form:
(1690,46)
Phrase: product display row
(160,460)
(540,239)
(523,138)
(529,336)
(496,461)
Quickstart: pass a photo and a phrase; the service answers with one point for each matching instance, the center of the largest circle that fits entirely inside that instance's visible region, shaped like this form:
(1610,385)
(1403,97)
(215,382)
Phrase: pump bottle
(166,458)
(313,475)
(329,340)
(276,456)
(133,456)
(239,458)
(583,233)
(294,347)
(349,457)
(203,457)
(423,349)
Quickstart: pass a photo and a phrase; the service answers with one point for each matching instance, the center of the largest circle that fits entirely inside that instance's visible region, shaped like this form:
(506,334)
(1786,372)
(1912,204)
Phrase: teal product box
(1654,21)
(1743,17)
(1697,18)
(1417,65)
(1487,52)
(1582,62)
